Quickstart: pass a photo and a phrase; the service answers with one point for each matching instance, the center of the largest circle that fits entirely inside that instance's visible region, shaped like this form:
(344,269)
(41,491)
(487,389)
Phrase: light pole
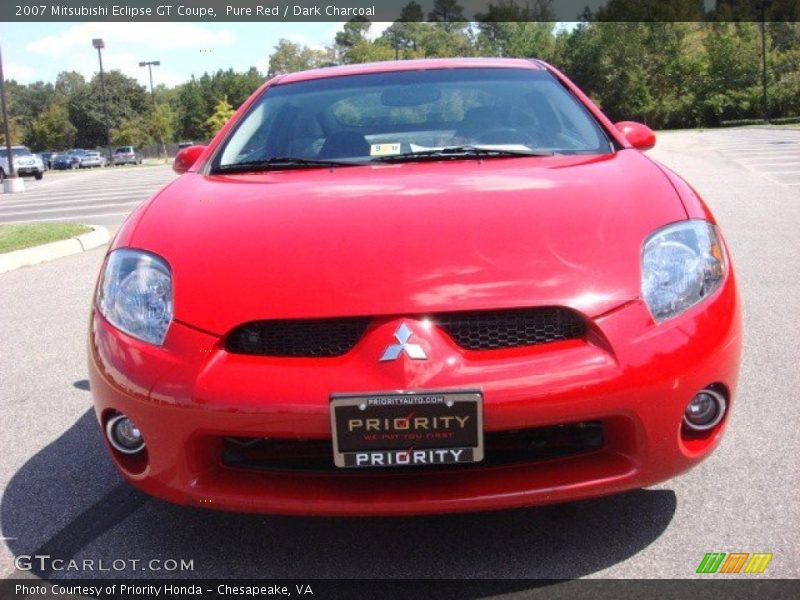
(150,64)
(6,128)
(764,98)
(12,183)
(98,43)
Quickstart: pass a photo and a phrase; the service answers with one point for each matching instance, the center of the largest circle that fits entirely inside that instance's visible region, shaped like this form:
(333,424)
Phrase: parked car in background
(47,159)
(126,155)
(92,159)
(183,145)
(62,161)
(25,163)
(75,155)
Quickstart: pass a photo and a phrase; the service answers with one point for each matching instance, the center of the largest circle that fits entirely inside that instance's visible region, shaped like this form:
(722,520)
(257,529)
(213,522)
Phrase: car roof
(409,65)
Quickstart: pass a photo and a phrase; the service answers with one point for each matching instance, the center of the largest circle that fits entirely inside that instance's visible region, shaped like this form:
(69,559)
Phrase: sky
(39,51)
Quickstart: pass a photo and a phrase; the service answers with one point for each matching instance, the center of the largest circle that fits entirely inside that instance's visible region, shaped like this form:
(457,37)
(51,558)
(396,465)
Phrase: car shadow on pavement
(69,502)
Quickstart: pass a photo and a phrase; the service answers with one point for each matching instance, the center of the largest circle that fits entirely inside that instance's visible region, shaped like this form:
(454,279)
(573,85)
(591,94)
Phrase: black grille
(484,330)
(298,338)
(501,448)
(492,330)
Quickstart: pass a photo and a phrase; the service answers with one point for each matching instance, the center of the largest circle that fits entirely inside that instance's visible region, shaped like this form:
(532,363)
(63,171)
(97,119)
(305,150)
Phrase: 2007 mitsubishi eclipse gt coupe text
(414,287)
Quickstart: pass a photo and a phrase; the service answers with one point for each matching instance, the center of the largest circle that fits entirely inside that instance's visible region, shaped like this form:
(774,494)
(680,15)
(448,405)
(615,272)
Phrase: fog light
(124,435)
(705,410)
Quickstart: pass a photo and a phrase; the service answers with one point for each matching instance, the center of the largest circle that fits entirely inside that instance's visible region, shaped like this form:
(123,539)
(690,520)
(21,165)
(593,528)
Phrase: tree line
(666,74)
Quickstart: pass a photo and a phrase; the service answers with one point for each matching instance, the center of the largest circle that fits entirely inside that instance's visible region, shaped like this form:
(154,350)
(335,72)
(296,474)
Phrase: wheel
(2,174)
(39,175)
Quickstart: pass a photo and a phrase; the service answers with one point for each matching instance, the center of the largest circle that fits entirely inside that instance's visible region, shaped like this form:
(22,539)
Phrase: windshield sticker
(384,149)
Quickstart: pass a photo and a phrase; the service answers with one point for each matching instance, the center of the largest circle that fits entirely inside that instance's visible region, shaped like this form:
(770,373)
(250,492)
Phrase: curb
(46,252)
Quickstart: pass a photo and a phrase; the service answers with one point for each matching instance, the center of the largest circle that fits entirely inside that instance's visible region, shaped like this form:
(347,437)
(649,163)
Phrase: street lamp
(6,128)
(150,64)
(98,43)
(764,99)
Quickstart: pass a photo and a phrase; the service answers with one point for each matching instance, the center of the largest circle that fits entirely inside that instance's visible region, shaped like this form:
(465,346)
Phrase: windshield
(15,152)
(365,118)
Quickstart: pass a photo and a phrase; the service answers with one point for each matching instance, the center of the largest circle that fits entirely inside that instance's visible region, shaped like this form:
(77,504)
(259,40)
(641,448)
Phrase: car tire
(38,176)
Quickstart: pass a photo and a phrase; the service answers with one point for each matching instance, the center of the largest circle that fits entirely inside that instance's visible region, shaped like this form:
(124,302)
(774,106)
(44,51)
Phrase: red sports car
(415,287)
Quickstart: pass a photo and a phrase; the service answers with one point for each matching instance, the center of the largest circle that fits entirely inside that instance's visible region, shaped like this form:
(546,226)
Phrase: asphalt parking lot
(61,495)
(93,196)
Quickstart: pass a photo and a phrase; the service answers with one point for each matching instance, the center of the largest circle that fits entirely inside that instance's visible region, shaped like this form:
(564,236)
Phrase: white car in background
(92,159)
(25,163)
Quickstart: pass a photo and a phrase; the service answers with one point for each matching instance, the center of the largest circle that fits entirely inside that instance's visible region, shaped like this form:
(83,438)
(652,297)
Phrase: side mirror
(186,158)
(640,136)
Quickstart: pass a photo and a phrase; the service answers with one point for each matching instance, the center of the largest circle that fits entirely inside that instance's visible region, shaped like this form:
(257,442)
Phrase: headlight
(135,294)
(681,265)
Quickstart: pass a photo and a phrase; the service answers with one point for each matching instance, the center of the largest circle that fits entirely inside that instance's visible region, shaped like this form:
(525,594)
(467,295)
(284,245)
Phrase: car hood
(413,238)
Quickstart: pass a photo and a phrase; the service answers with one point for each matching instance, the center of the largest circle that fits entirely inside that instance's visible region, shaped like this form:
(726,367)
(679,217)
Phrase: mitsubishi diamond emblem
(413,351)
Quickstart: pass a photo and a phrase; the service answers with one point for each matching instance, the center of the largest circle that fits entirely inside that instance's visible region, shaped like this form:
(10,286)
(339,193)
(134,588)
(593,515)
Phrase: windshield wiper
(460,152)
(279,162)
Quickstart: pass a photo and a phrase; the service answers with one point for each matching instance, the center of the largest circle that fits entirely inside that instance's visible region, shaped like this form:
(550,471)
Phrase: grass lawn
(17,237)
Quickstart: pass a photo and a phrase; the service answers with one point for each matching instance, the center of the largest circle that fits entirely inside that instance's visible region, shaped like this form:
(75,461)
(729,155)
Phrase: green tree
(15,129)
(289,57)
(352,34)
(731,89)
(52,130)
(440,40)
(192,112)
(126,99)
(449,13)
(132,131)
(161,125)
(404,32)
(222,112)
(69,84)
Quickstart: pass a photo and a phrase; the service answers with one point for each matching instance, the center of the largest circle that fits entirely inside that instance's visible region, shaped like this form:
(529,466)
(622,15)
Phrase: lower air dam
(410,457)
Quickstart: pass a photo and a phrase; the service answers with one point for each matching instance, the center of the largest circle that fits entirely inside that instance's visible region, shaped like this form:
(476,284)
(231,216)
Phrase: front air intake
(315,338)
(495,330)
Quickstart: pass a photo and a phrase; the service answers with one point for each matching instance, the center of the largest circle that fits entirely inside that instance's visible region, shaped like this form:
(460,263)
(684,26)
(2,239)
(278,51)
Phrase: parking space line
(54,210)
(68,218)
(89,196)
(773,154)
(37,203)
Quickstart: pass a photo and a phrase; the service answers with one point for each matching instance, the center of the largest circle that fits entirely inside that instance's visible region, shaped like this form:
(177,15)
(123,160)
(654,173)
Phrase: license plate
(413,429)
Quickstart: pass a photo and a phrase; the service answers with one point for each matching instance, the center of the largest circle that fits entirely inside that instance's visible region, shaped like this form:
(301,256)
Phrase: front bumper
(28,170)
(630,374)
